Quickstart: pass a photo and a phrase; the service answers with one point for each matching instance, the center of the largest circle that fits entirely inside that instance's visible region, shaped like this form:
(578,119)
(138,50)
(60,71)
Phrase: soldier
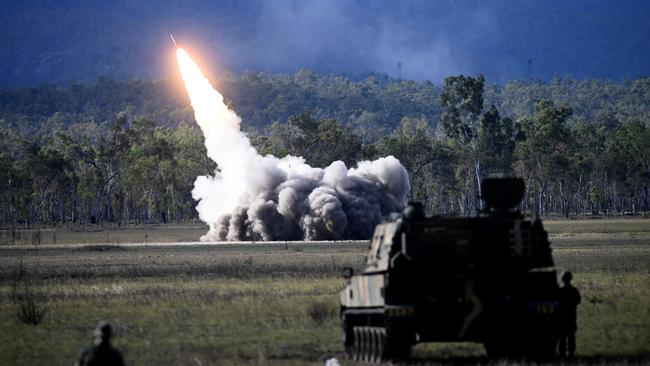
(101,353)
(569,300)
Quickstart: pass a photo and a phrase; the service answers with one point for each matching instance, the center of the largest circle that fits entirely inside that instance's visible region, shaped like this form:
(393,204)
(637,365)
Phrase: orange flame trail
(206,101)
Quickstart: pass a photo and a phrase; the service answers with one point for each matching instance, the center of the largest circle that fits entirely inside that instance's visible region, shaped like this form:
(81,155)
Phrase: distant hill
(260,99)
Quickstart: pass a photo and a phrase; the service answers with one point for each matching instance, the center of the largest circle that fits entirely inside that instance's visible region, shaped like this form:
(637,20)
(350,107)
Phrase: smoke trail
(254,197)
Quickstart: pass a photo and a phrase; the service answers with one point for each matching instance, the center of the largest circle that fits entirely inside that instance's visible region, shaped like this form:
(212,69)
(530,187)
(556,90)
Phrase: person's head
(103,332)
(414,211)
(567,277)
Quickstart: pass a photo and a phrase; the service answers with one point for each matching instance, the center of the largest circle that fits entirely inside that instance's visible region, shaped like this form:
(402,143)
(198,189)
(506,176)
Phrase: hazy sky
(71,40)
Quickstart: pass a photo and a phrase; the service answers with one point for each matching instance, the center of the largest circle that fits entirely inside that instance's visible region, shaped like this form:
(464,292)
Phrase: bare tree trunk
(75,199)
(477,172)
(61,209)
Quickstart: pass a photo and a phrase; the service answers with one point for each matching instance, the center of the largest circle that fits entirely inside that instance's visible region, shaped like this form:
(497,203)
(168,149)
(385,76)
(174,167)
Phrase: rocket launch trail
(173,40)
(263,197)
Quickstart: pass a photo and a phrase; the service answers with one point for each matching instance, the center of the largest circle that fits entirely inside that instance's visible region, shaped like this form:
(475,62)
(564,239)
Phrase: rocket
(173,40)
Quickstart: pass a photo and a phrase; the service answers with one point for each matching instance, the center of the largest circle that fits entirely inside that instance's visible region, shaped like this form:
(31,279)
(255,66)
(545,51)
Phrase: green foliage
(462,99)
(429,162)
(134,172)
(497,143)
(545,154)
(29,309)
(129,152)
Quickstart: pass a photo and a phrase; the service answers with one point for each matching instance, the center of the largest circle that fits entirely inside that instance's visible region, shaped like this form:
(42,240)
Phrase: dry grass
(616,228)
(232,261)
(272,303)
(321,312)
(102,235)
(598,226)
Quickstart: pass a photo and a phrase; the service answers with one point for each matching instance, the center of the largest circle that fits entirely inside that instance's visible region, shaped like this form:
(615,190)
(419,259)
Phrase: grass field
(592,228)
(103,234)
(277,303)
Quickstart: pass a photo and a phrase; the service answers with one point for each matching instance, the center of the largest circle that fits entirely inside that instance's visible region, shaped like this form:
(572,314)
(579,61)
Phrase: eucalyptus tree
(319,142)
(462,103)
(429,162)
(544,155)
(627,162)
(496,141)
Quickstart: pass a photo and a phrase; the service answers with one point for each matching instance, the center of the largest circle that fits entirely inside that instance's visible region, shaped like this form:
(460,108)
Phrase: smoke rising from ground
(254,197)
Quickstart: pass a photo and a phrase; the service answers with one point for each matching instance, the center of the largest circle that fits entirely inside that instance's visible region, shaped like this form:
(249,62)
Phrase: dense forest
(128,151)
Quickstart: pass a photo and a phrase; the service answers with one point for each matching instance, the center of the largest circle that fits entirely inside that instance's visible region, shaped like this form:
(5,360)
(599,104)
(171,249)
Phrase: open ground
(204,304)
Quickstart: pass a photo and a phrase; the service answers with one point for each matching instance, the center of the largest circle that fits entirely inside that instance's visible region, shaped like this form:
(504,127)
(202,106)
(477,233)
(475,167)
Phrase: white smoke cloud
(254,197)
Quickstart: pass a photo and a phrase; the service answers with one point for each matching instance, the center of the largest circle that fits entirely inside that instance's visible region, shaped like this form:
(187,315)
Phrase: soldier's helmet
(104,330)
(567,276)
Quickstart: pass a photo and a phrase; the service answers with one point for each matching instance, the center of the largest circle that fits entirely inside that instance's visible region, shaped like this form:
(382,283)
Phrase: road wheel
(380,341)
(362,344)
(371,344)
(356,353)
(367,344)
(348,338)
(374,349)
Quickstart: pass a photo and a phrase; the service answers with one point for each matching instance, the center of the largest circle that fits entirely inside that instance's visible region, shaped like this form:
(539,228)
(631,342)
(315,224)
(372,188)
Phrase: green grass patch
(614,317)
(272,303)
(208,321)
(598,226)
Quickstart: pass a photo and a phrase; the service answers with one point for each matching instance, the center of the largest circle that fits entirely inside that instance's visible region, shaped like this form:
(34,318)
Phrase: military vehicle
(487,279)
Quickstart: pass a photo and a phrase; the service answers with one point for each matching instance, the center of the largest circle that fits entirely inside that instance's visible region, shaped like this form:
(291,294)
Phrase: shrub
(36,237)
(29,310)
(100,248)
(320,312)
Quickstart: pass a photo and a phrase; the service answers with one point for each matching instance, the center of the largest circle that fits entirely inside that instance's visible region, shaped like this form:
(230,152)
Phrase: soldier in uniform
(101,352)
(569,300)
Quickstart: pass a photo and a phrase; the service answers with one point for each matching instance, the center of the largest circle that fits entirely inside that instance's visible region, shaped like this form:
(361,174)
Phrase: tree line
(375,103)
(134,172)
(139,167)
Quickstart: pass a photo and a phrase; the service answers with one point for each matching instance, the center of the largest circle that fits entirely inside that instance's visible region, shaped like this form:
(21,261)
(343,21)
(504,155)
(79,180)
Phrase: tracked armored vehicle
(487,279)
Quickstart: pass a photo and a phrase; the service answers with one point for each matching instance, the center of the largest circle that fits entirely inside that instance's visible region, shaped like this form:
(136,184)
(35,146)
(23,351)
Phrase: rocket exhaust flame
(254,197)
